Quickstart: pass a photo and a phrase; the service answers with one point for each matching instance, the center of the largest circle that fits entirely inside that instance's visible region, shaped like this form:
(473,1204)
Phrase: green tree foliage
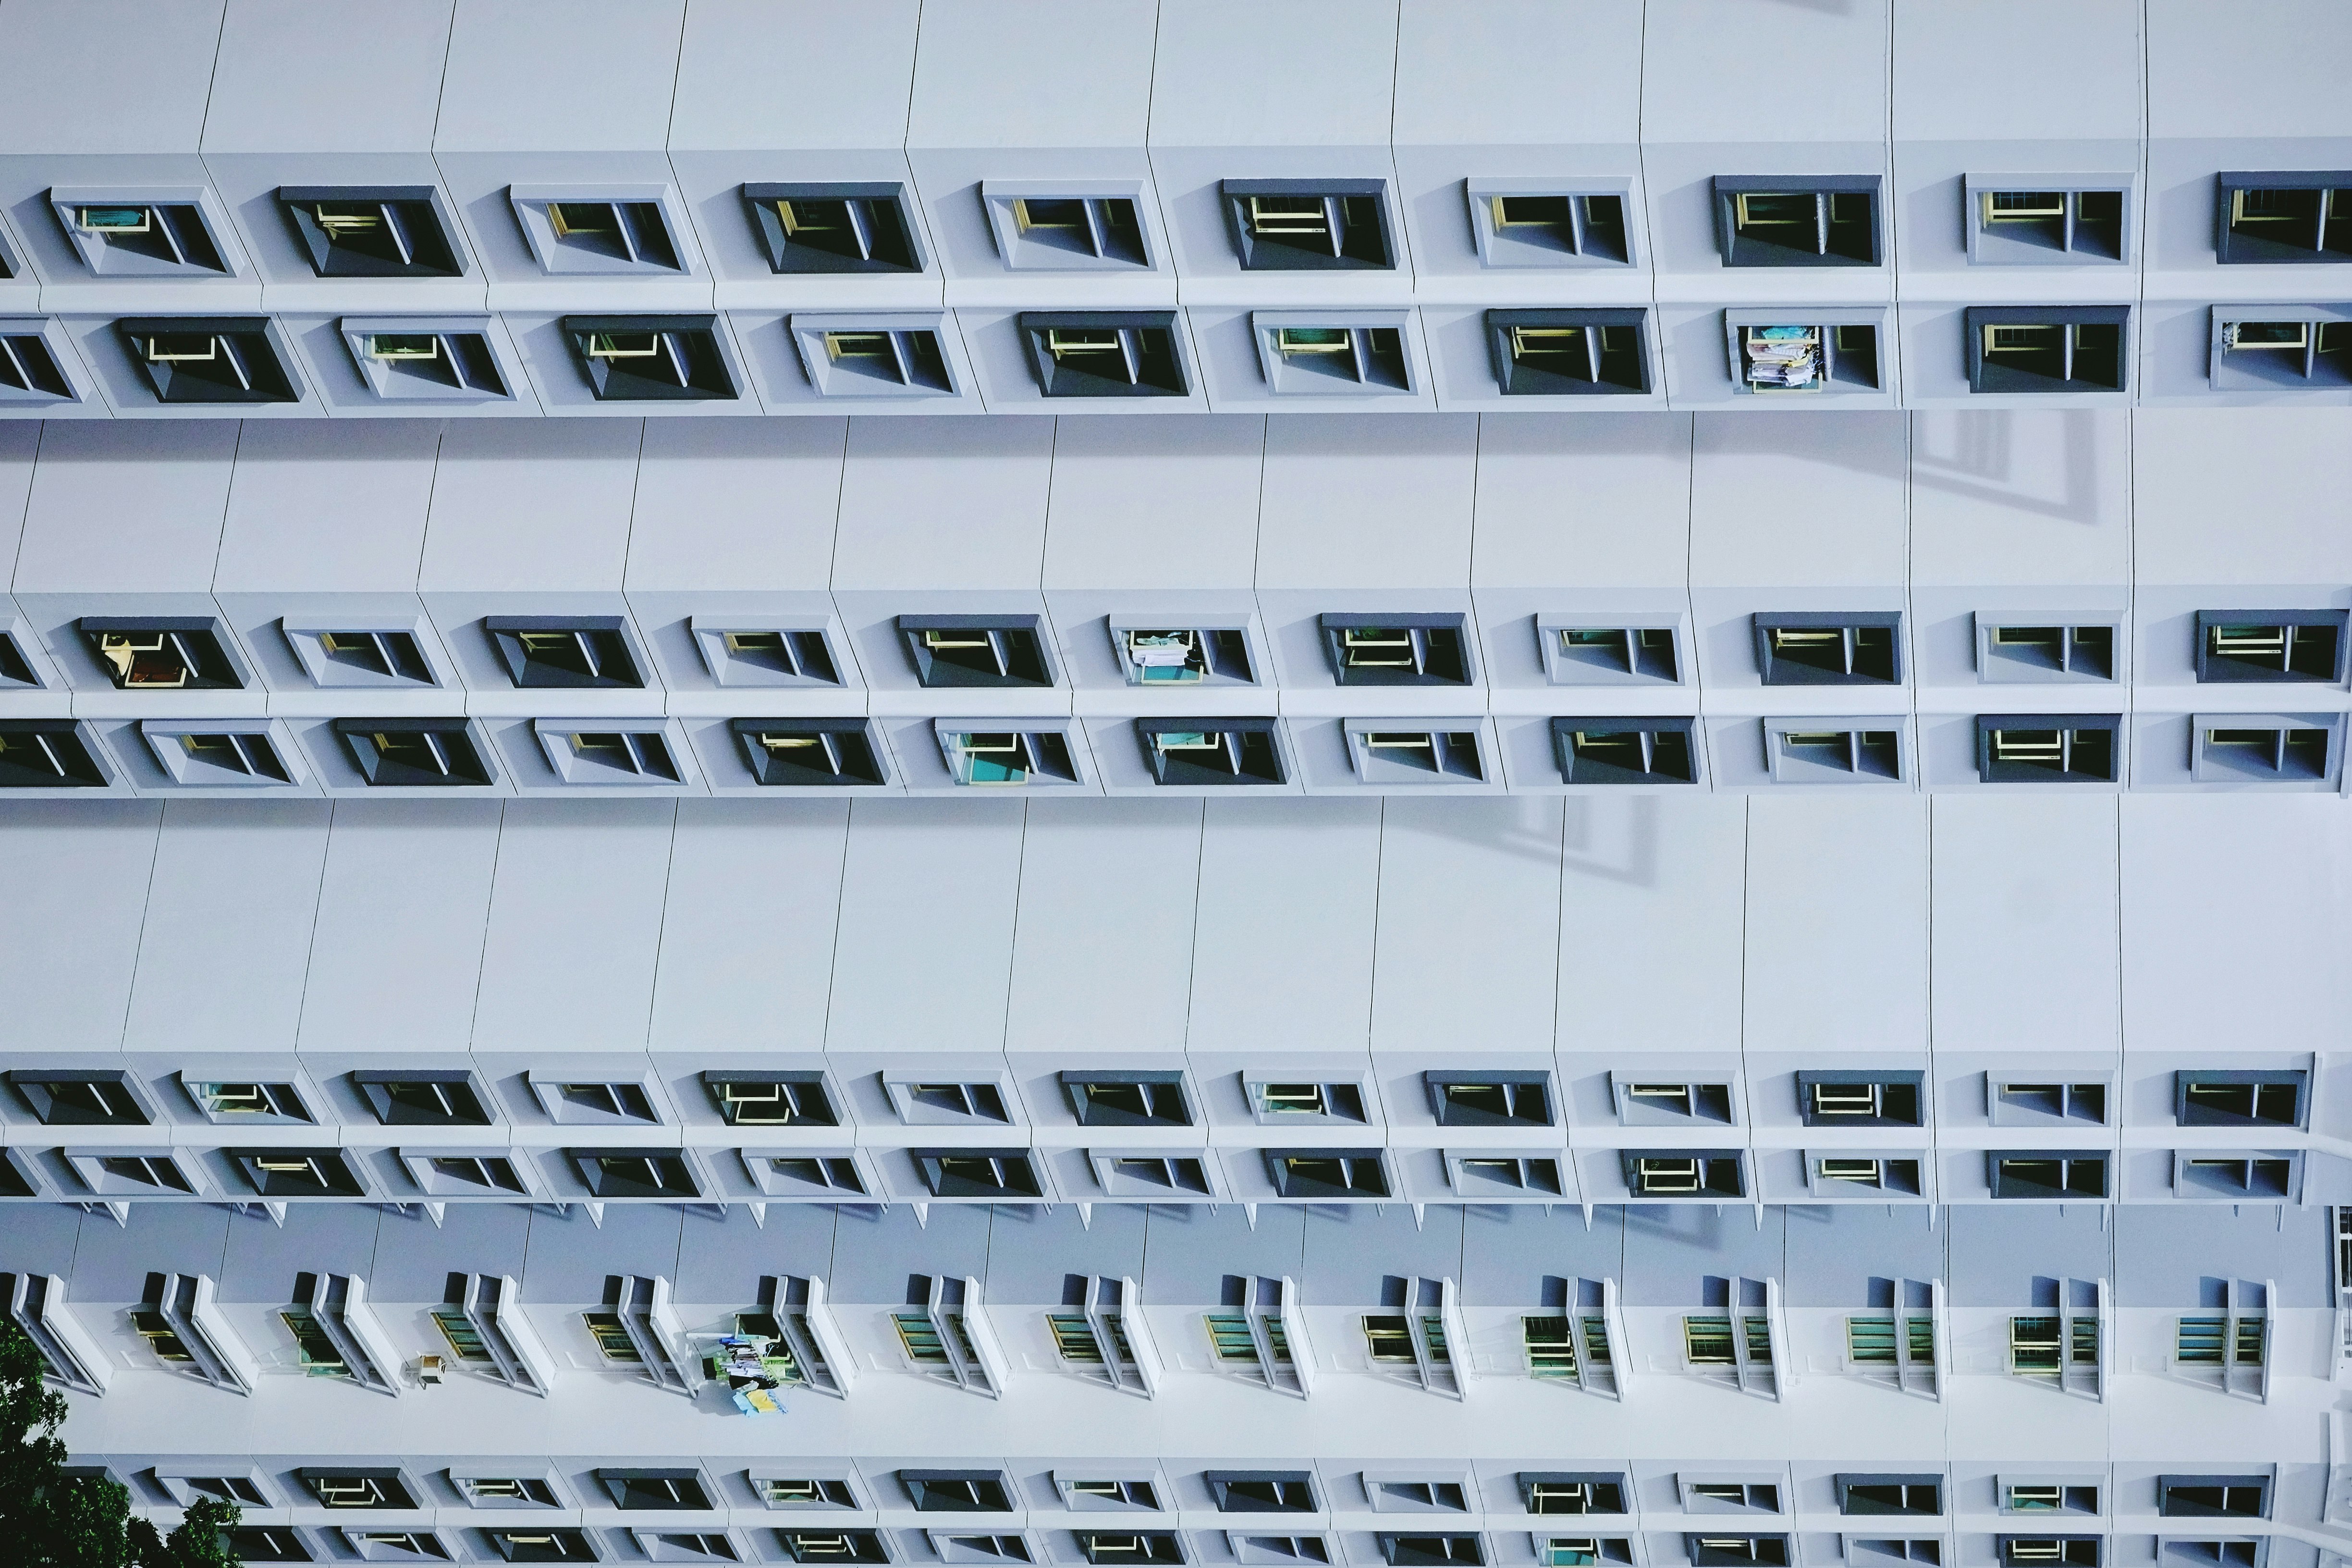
(50,1518)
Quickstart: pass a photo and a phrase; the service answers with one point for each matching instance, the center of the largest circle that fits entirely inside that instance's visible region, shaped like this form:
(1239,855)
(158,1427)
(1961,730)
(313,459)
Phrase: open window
(1157,655)
(2049,748)
(977,650)
(424,1096)
(635,1173)
(451,359)
(2015,349)
(829,1546)
(89,1096)
(50,754)
(1309,225)
(772,1099)
(1848,1175)
(740,653)
(1569,353)
(2030,651)
(1398,650)
(2304,646)
(1595,651)
(898,355)
(2213,1497)
(1818,351)
(1874,1098)
(1049,229)
(1334,353)
(651,359)
(567,651)
(1683,1173)
(1037,755)
(1415,753)
(1464,1099)
(1214,752)
(2302,215)
(613,754)
(2060,1173)
(1643,753)
(1106,353)
(145,232)
(408,753)
(1128,1098)
(211,359)
(299,1172)
(2216,1097)
(1666,1100)
(31,371)
(838,227)
(1837,751)
(1773,220)
(1325,1174)
(352,653)
(163,653)
(1738,1551)
(2265,748)
(1006,1175)
(1828,647)
(1572,1491)
(372,231)
(1275,1102)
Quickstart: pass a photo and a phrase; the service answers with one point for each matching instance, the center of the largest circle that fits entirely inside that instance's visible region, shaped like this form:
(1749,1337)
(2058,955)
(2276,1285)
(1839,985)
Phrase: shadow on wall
(1974,454)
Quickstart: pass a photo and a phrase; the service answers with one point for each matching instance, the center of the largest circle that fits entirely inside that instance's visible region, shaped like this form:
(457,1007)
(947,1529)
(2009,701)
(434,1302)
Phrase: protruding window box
(1570,353)
(211,359)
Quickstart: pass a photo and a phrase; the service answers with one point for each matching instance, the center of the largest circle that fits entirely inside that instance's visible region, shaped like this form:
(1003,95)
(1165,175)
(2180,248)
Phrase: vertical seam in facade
(661,924)
(840,902)
(490,915)
(146,909)
(318,902)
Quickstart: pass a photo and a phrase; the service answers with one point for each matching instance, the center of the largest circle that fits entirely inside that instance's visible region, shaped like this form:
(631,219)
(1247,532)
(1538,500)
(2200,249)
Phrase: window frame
(1735,248)
(1994,770)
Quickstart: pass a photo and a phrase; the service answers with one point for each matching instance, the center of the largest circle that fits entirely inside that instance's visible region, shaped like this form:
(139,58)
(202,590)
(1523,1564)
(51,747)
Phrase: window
(1490,1099)
(957,1491)
(337,654)
(1569,353)
(1771,220)
(621,1102)
(833,1545)
(633,1174)
(1678,1174)
(2243,1552)
(1738,1551)
(2063,1173)
(772,1099)
(1106,353)
(1281,1551)
(2280,348)
(2048,1345)
(1818,751)
(427,360)
(1551,1353)
(451,1173)
(661,359)
(834,227)
(210,359)
(47,753)
(612,1336)
(2234,1176)
(420,1097)
(253,1104)
(977,650)
(2017,1102)
(134,234)
(778,1491)
(1091,1496)
(130,1175)
(1164,655)
(1212,752)
(769,655)
(1309,225)
(1155,1099)
(2042,219)
(1333,354)
(591,651)
(2271,645)
(1848,1175)
(2019,349)
(1276,1103)
(370,231)
(1583,654)
(876,356)
(921,1101)
(1399,751)
(1882,1494)
(1515,224)
(1861,1099)
(1129,1546)
(608,230)
(2273,216)
(29,369)
(415,753)
(1582,1551)
(358,1488)
(987,1549)
(1433,1551)
(1067,231)
(540,1545)
(163,653)
(14,669)
(2049,748)
(1388,1338)
(1572,1491)
(1328,1172)
(610,758)
(1727,1496)
(1262,1491)
(1006,757)
(2207,1497)
(230,756)
(1824,352)
(298,1173)
(810,1176)
(655,1489)
(1398,650)
(99,1098)
(2227,1099)
(1657,1104)
(242,1491)
(2201,1339)
(686,1546)
(1618,751)
(1497,1176)
(1856,648)
(2060,1551)
(1401,1495)
(2008,652)
(810,752)
(976,1173)
(278,1543)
